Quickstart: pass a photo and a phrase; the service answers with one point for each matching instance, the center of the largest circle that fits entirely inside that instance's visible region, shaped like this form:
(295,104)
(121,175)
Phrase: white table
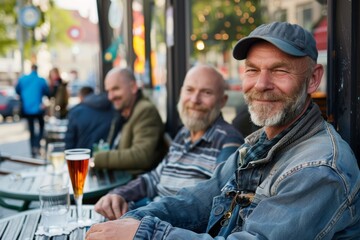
(24,225)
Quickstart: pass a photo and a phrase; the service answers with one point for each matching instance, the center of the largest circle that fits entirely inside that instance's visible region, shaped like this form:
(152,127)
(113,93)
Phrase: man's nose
(264,81)
(195,97)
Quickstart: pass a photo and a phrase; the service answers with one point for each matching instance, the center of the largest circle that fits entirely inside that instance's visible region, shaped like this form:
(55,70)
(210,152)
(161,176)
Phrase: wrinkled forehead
(201,82)
(116,78)
(203,77)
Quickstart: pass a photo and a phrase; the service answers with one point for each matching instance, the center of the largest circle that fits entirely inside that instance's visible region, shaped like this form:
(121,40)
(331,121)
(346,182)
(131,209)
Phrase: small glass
(54,204)
(78,166)
(56,156)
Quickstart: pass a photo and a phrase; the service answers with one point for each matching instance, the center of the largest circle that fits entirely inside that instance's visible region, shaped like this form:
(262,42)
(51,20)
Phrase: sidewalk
(14,138)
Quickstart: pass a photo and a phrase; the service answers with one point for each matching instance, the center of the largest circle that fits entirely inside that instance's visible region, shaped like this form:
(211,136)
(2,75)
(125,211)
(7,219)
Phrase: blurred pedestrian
(58,93)
(90,120)
(31,89)
(74,85)
(139,145)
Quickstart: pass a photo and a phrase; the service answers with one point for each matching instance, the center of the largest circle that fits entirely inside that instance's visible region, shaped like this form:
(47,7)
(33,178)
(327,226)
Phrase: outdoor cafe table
(24,185)
(25,224)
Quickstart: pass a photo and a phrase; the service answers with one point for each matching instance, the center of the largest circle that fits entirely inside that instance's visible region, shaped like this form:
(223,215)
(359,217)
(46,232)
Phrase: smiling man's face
(201,98)
(274,85)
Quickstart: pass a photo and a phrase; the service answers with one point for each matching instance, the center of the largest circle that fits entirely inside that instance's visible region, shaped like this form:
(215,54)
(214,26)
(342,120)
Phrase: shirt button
(218,210)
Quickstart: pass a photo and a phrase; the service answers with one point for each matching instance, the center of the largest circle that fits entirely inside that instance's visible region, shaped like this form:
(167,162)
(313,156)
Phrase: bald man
(205,141)
(138,144)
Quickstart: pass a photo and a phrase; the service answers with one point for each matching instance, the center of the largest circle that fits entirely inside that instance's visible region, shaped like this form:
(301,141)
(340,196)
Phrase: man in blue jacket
(31,89)
(89,121)
(295,178)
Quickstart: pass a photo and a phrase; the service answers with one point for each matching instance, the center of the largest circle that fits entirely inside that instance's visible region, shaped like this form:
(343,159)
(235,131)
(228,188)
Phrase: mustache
(117,99)
(196,107)
(265,96)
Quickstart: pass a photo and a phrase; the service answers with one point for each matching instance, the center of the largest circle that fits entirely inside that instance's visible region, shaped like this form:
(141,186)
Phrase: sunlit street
(14,138)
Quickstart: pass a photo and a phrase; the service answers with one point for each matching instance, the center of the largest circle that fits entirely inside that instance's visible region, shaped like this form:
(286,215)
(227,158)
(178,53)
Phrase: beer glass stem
(78,201)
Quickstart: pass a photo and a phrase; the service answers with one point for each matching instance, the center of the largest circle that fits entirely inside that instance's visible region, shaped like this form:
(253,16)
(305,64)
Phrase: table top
(25,224)
(24,185)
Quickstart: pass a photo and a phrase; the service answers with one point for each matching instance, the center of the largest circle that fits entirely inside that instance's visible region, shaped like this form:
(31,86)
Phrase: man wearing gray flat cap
(295,178)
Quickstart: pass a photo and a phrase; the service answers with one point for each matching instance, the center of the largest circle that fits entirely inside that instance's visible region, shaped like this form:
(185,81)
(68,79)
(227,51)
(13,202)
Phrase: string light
(223,21)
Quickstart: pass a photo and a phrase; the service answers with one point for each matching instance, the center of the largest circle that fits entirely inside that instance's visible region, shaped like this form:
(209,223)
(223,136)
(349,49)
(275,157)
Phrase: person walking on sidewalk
(59,94)
(31,89)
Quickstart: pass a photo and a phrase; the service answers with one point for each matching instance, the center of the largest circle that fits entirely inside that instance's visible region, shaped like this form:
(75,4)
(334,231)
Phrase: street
(14,138)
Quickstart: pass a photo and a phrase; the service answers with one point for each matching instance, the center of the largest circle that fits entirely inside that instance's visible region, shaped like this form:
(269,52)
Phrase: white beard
(261,115)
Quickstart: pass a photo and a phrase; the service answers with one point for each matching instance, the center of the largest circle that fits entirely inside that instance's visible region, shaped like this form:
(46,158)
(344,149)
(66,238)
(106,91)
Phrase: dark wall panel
(343,70)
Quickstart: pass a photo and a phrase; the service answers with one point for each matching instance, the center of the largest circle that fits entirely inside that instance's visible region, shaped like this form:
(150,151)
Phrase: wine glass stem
(78,202)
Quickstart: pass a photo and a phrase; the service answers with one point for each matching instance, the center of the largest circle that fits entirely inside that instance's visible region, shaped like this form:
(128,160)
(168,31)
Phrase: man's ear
(134,87)
(224,100)
(315,79)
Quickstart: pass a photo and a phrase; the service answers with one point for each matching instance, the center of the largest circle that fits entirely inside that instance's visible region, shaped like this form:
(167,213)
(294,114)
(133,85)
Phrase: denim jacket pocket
(221,203)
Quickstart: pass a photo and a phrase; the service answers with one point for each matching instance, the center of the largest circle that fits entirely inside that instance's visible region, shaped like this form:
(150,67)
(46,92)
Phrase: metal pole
(106,36)
(20,36)
(178,52)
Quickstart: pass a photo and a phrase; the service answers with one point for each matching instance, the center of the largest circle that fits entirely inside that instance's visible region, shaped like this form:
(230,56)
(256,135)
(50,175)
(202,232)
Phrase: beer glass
(78,164)
(56,156)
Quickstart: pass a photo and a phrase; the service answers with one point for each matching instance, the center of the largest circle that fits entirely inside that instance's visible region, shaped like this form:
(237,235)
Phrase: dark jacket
(89,121)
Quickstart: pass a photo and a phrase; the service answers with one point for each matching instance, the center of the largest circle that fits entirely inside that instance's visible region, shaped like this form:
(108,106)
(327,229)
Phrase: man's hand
(123,229)
(111,206)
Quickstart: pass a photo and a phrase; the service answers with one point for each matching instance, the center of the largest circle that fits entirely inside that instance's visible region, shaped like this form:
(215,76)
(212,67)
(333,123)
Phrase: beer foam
(78,157)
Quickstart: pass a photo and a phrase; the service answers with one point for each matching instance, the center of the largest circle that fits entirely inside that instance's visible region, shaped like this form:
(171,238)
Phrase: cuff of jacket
(152,228)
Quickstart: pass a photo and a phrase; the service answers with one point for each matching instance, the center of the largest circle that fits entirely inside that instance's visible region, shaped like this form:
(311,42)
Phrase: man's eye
(280,71)
(250,70)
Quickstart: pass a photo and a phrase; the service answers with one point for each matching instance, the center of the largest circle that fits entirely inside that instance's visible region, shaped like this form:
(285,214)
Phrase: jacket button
(218,210)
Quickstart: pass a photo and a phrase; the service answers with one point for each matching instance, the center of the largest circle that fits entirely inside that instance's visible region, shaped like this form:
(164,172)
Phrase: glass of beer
(55,155)
(78,164)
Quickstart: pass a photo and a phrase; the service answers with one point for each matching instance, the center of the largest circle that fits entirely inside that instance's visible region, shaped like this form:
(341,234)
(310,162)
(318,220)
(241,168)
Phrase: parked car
(9,103)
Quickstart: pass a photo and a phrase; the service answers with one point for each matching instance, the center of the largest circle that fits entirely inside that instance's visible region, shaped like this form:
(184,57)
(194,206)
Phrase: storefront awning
(320,34)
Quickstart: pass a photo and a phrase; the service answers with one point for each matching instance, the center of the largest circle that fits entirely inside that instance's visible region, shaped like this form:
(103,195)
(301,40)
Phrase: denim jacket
(307,187)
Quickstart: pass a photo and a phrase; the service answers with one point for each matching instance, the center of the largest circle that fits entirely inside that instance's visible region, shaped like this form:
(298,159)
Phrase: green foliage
(60,20)
(220,23)
(51,29)
(8,19)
